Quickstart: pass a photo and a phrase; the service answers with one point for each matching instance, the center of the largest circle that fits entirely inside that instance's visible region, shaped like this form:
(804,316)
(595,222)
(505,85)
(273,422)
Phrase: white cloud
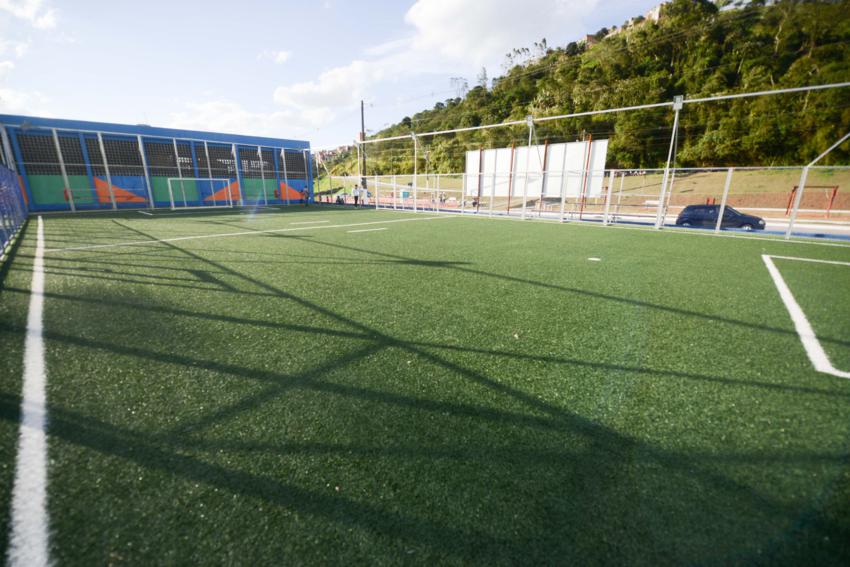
(230,116)
(442,37)
(337,87)
(388,47)
(5,68)
(279,57)
(33,11)
(446,36)
(46,21)
(19,102)
(482,32)
(19,48)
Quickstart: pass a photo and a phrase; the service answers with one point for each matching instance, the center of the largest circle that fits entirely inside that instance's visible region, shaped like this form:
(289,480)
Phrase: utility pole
(362,148)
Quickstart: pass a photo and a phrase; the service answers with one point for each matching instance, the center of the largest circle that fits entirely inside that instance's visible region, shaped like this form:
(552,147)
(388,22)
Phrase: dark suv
(706,216)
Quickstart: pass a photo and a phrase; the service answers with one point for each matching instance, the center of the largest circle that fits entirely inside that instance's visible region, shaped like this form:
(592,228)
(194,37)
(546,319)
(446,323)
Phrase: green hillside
(694,49)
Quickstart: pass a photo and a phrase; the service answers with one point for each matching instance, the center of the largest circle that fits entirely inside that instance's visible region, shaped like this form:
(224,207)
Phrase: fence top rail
(414,135)
(633,170)
(240,145)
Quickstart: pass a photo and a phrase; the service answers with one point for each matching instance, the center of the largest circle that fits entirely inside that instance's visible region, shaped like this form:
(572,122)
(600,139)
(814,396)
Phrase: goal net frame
(215,203)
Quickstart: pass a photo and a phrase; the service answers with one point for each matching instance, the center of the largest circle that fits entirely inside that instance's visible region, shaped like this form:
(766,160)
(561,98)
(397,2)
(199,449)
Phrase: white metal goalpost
(177,192)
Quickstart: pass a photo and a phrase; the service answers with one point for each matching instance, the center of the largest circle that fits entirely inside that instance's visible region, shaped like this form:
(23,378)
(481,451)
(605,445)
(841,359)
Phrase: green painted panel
(252,189)
(49,189)
(82,190)
(159,186)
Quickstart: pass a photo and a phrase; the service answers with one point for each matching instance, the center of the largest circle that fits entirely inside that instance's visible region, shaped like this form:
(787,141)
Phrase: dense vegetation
(694,50)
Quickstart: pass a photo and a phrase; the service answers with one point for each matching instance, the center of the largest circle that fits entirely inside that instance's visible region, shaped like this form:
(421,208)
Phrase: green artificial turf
(446,391)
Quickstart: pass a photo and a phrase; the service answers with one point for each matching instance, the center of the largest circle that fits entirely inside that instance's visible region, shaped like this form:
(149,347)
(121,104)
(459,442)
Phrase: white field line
(813,260)
(145,213)
(29,534)
(310,222)
(367,230)
(814,350)
(243,233)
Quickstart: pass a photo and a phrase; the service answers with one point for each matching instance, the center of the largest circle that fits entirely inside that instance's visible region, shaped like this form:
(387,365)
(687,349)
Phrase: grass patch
(445,391)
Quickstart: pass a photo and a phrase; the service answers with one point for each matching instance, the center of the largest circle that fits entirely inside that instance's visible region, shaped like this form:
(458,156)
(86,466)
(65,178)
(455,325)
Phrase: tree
(695,50)
(483,81)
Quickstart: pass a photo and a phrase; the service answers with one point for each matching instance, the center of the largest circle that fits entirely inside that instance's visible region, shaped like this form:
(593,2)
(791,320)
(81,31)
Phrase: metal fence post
(723,199)
(608,198)
(395,192)
(564,179)
(69,193)
(262,175)
(179,173)
(530,122)
(307,175)
(209,174)
(235,151)
(493,184)
(285,173)
(415,170)
(797,199)
(7,149)
(803,177)
(145,169)
(678,102)
(620,194)
(106,170)
(375,181)
(463,185)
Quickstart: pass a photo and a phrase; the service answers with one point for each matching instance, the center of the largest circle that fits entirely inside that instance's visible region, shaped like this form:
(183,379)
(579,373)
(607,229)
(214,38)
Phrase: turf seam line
(28,541)
(228,234)
(366,230)
(814,350)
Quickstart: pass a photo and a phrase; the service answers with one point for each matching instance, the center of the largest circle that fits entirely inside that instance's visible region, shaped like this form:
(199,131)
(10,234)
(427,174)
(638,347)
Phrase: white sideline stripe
(367,230)
(29,532)
(244,233)
(145,213)
(805,331)
(310,222)
(813,260)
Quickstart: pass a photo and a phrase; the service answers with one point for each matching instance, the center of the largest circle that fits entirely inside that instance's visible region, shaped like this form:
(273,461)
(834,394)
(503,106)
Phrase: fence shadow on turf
(607,449)
(397,259)
(588,472)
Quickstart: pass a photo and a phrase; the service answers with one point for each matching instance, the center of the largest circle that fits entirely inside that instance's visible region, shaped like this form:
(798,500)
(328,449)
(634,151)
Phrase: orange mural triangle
(23,191)
(121,195)
(221,194)
(285,190)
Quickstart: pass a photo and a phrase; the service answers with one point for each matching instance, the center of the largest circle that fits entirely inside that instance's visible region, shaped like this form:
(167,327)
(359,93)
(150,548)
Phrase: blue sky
(283,69)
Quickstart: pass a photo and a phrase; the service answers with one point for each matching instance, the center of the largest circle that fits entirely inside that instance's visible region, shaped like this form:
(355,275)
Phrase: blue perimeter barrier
(12,210)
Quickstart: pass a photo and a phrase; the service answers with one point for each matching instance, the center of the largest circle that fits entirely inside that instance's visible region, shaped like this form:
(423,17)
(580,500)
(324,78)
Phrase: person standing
(356,194)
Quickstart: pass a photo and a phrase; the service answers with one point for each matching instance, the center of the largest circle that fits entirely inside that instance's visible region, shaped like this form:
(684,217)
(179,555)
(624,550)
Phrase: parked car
(706,216)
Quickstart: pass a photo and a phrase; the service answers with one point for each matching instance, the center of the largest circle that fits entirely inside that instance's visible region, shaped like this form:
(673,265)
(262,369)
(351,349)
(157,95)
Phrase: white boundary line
(243,233)
(814,350)
(367,230)
(28,541)
(813,260)
(310,222)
